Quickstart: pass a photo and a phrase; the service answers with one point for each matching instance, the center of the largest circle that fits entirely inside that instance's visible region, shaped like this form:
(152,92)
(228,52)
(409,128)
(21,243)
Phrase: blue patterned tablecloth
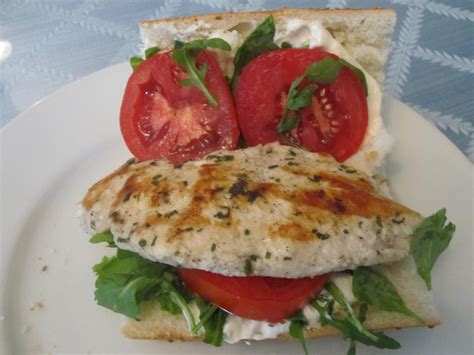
(55,42)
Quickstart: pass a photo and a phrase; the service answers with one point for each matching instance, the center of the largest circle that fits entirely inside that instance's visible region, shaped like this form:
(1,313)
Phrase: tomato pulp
(268,299)
(335,122)
(161,119)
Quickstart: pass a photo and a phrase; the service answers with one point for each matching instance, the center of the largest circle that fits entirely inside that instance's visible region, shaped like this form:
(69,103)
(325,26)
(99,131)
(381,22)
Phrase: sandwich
(255,206)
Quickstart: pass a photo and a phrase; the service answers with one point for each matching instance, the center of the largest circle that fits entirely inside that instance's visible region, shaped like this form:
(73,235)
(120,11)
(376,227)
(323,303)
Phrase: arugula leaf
(296,100)
(288,123)
(214,324)
(428,241)
(362,317)
(178,44)
(352,347)
(350,326)
(196,76)
(126,280)
(285,44)
(167,304)
(349,331)
(206,311)
(122,283)
(358,72)
(301,98)
(135,62)
(328,69)
(363,312)
(374,288)
(346,306)
(106,237)
(185,54)
(177,298)
(125,299)
(296,330)
(325,71)
(149,52)
(257,42)
(217,43)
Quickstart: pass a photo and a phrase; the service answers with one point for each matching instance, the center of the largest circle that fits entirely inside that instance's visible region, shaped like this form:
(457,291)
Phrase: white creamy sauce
(236,328)
(344,283)
(312,316)
(225,58)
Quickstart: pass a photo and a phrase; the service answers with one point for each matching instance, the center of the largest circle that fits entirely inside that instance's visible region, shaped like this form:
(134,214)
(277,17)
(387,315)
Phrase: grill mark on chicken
(95,192)
(203,189)
(130,187)
(292,231)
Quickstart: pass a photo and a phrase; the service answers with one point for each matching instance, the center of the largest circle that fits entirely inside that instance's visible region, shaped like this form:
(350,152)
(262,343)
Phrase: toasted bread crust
(178,330)
(313,13)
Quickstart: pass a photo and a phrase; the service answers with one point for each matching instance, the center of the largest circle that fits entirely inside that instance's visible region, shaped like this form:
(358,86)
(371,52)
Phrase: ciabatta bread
(365,34)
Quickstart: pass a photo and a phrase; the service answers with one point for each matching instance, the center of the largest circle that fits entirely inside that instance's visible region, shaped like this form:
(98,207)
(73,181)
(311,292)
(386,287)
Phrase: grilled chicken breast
(268,210)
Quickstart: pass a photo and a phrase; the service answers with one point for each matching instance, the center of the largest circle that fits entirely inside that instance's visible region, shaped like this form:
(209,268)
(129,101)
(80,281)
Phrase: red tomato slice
(160,118)
(335,123)
(269,299)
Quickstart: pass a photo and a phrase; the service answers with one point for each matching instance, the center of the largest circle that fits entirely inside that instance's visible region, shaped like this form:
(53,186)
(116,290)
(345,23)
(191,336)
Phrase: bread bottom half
(161,325)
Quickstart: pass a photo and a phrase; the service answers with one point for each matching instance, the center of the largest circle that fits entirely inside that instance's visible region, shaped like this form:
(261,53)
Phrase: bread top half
(364,33)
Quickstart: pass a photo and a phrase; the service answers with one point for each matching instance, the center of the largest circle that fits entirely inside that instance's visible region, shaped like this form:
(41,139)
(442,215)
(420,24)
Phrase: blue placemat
(55,42)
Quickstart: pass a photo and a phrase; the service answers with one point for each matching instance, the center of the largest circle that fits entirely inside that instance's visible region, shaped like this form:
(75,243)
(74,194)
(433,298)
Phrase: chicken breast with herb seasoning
(268,210)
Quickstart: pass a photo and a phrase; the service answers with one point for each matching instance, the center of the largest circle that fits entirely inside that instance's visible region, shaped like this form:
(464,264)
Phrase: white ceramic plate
(53,152)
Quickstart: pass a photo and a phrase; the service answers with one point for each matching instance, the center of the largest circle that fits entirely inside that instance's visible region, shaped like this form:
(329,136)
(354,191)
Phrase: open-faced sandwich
(256,206)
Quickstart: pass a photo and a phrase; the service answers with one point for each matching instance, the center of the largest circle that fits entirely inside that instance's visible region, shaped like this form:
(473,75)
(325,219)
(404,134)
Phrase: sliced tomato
(336,121)
(269,299)
(160,118)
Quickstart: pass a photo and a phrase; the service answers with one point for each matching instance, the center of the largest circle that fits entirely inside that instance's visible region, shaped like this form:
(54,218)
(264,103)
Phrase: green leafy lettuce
(296,100)
(256,43)
(125,280)
(325,71)
(428,241)
(135,62)
(105,237)
(212,319)
(185,54)
(297,324)
(375,289)
(149,52)
(349,324)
